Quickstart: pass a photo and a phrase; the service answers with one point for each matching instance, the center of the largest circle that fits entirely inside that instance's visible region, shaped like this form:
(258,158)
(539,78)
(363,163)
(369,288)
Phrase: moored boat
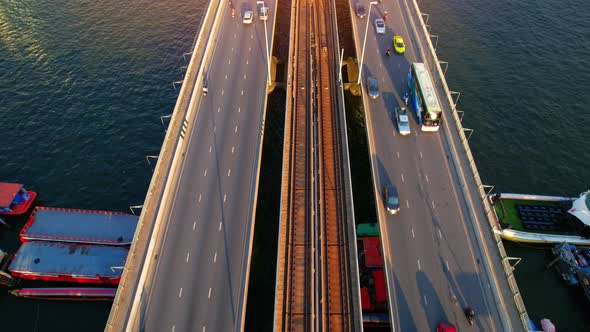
(543,219)
(79,226)
(67,293)
(14,199)
(55,261)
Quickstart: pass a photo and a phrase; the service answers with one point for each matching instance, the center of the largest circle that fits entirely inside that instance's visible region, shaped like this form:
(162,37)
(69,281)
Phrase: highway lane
(433,268)
(202,263)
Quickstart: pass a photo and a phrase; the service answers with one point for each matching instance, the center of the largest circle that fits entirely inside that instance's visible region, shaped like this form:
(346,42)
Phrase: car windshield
(400,44)
(373,84)
(380,24)
(393,200)
(403,118)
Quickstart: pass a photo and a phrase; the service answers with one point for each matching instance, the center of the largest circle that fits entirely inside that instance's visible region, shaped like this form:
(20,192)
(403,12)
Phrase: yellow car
(398,44)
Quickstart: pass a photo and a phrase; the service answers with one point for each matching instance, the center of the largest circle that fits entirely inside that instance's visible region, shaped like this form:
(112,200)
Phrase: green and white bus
(423,97)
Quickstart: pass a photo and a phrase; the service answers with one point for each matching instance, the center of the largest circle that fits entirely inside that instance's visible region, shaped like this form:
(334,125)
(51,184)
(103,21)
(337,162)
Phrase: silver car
(403,120)
(380,26)
(247,19)
(372,87)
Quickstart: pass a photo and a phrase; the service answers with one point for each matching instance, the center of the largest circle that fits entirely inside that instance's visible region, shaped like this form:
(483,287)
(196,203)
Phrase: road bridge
(188,267)
(440,252)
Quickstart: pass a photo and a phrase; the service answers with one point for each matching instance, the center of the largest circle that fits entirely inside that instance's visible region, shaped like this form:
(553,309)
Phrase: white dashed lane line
(205,174)
(413,236)
(228,172)
(215,257)
(403,178)
(180,293)
(419,266)
(209,293)
(200,196)
(407,204)
(220,226)
(188,254)
(194,225)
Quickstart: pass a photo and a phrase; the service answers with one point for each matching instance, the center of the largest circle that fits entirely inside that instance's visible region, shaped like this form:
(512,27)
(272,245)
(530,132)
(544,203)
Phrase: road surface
(202,265)
(431,259)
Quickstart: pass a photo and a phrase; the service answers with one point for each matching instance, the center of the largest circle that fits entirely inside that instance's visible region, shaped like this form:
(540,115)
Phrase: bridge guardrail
(508,270)
(147,228)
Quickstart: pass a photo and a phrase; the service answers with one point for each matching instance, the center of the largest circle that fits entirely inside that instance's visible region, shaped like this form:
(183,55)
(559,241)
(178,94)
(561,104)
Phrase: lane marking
(214,128)
(244,76)
(209,296)
(188,254)
(232,149)
(239,109)
(194,225)
(180,293)
(420,154)
(413,236)
(234,35)
(433,204)
(205,174)
(226,77)
(229,172)
(439,234)
(419,267)
(229,62)
(427,178)
(242,92)
(232,49)
(224,197)
(247,61)
(200,198)
(251,36)
(249,49)
(173,328)
(398,155)
(218,109)
(222,92)
(403,178)
(425,300)
(215,258)
(220,226)
(204,328)
(236,130)
(210,148)
(393,132)
(407,204)
(447,264)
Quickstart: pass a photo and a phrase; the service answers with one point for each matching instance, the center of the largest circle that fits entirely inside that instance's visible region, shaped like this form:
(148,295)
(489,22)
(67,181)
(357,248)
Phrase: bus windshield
(424,99)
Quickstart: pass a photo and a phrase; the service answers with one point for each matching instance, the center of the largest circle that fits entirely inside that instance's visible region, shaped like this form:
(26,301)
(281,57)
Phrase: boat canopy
(581,208)
(8,194)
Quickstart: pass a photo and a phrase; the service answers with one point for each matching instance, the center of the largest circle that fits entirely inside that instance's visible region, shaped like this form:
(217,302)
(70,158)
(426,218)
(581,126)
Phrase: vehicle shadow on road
(433,308)
(404,317)
(460,286)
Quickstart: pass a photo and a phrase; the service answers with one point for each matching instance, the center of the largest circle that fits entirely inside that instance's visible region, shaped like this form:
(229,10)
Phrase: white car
(403,121)
(380,26)
(248,15)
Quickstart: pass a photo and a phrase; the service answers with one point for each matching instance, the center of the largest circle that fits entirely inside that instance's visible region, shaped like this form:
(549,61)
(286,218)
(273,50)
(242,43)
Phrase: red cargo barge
(79,226)
(14,199)
(53,261)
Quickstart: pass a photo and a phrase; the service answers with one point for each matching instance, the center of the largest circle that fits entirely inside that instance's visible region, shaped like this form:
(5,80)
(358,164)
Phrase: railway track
(312,267)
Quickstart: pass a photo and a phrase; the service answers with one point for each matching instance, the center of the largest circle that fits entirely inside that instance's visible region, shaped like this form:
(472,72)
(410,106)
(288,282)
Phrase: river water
(83,85)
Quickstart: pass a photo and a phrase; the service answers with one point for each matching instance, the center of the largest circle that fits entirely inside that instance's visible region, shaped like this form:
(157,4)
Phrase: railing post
(446,66)
(435,43)
(458,94)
